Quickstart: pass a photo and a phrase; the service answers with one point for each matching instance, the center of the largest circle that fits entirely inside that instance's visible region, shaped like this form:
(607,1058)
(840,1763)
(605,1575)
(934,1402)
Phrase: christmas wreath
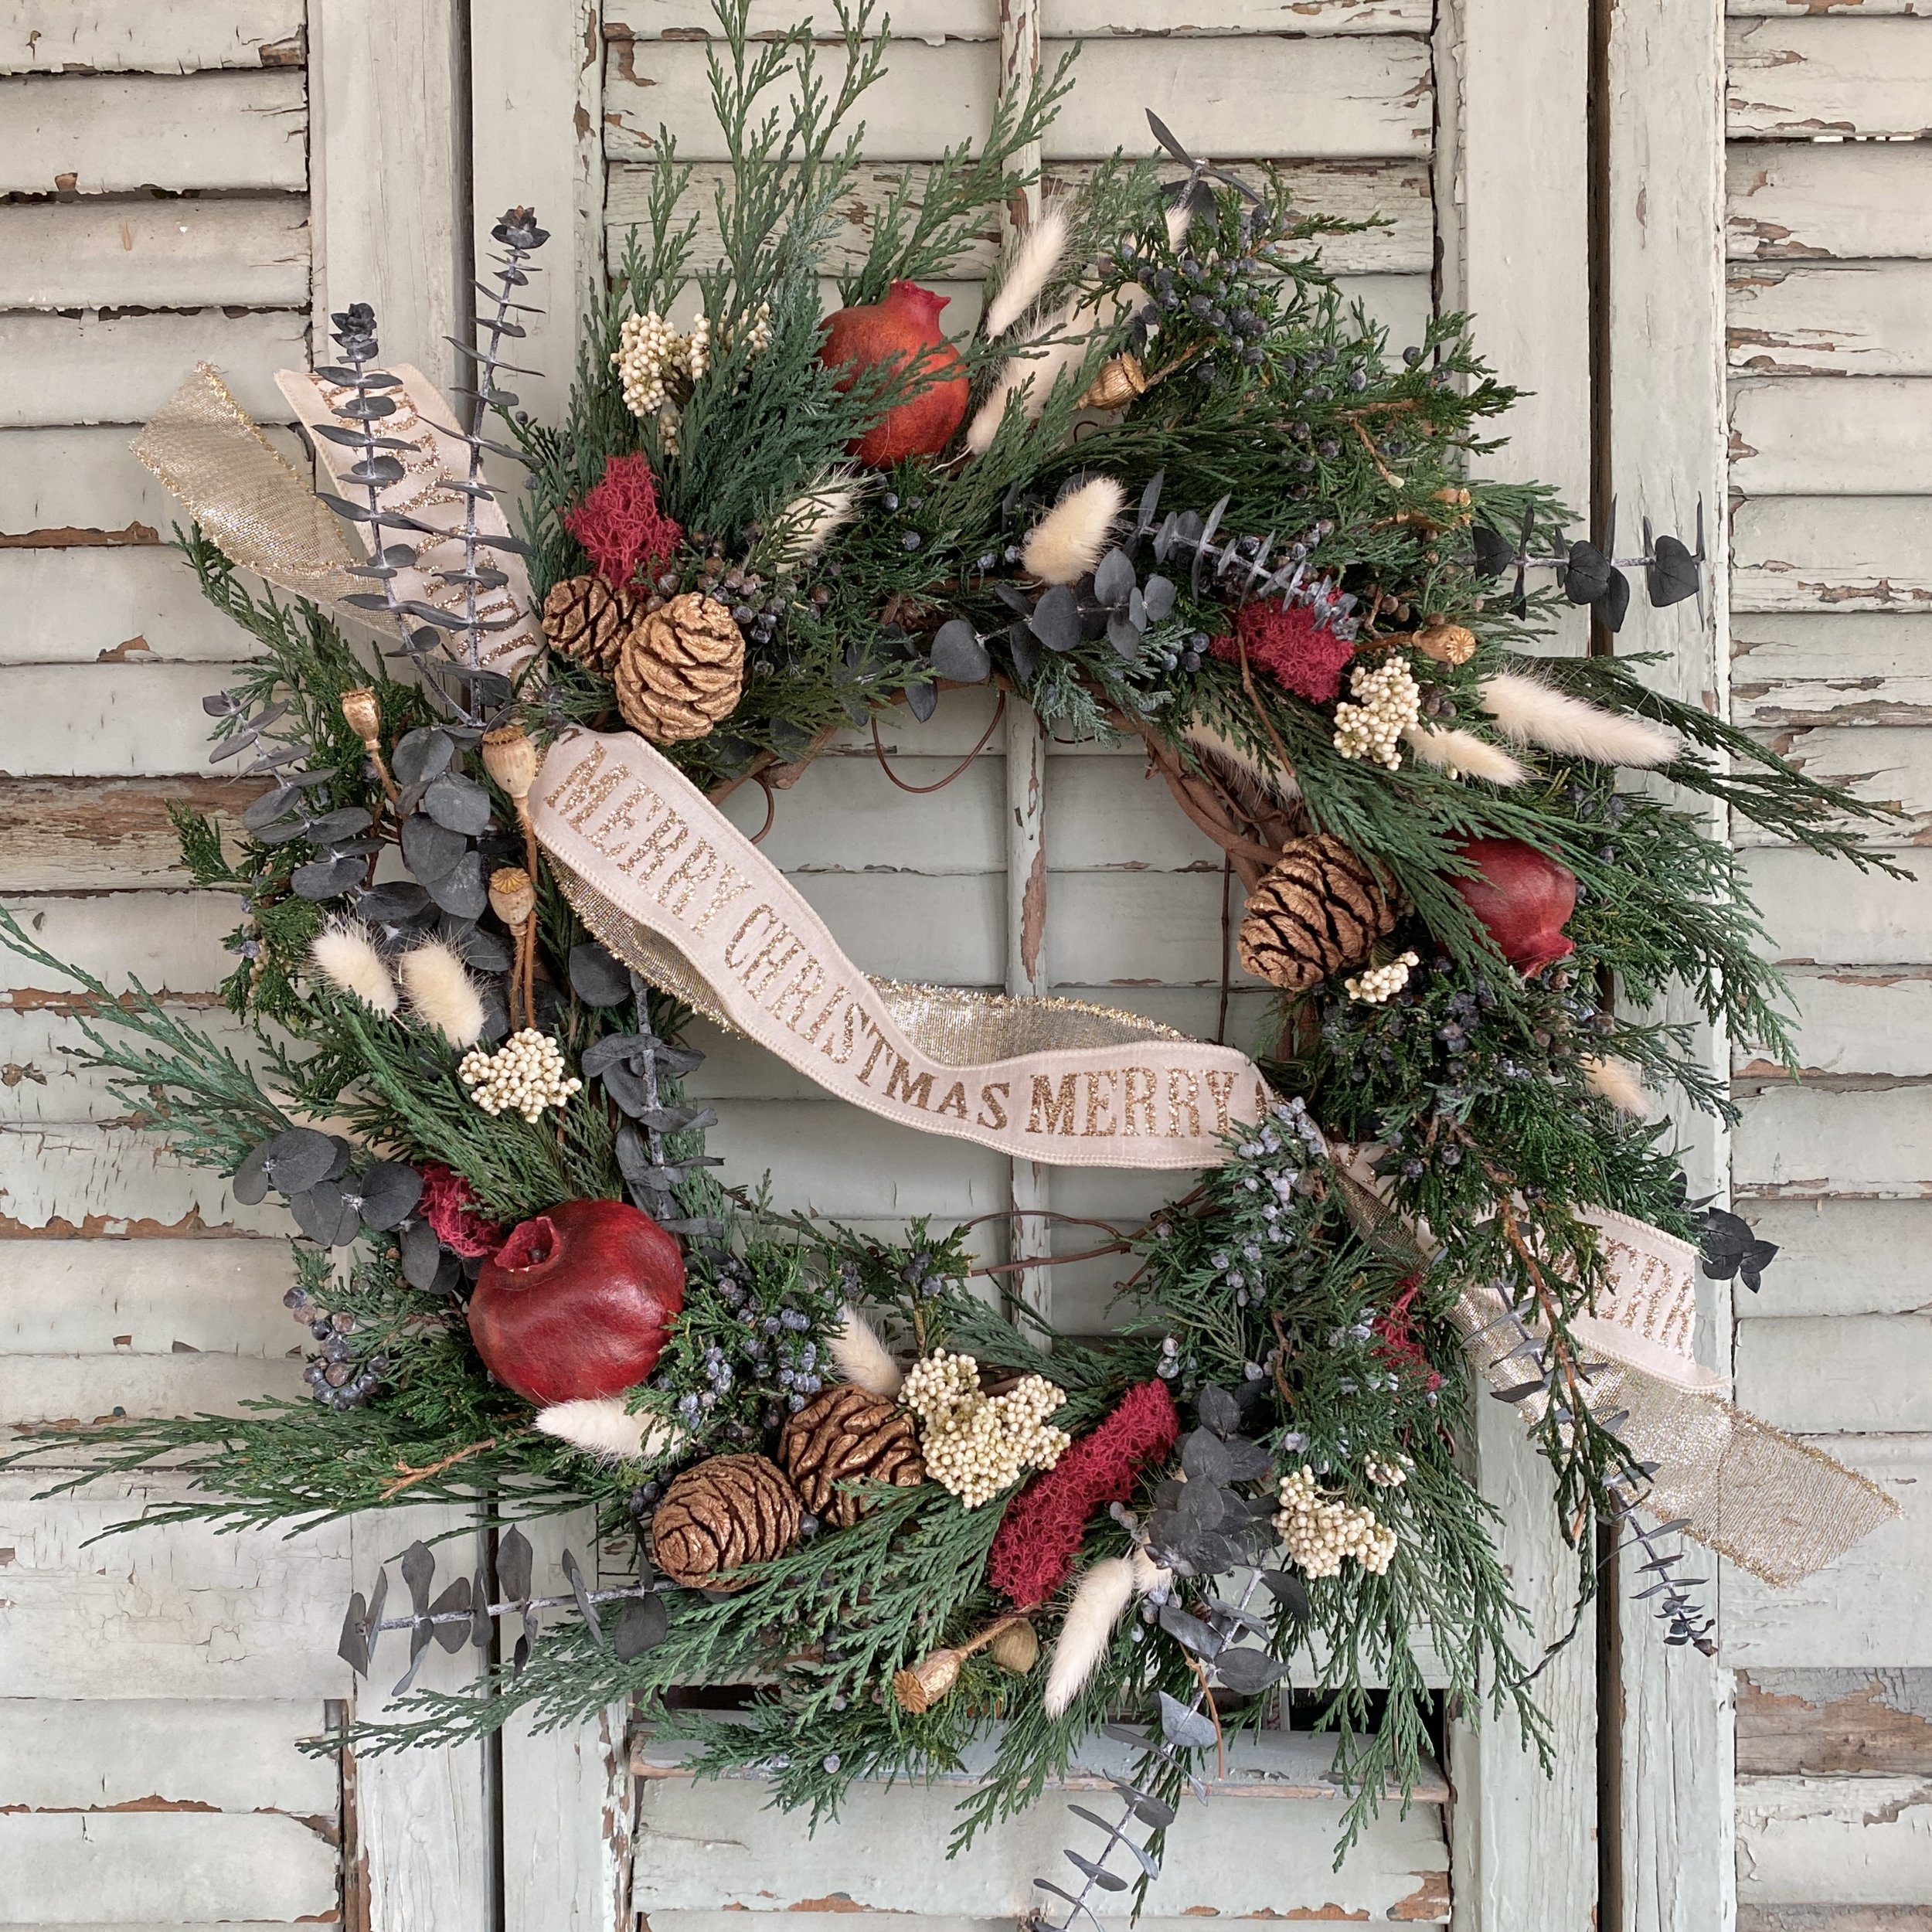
(1173,489)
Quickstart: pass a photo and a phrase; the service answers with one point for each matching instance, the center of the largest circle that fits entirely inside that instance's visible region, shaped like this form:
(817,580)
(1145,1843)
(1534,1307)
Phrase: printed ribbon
(674,889)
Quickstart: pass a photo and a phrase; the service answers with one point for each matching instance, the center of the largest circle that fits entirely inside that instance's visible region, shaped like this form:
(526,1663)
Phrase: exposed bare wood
(164,254)
(1855,1020)
(1343,96)
(121,611)
(170,941)
(1796,78)
(114,134)
(1833,668)
(130,717)
(60,834)
(1826,1722)
(1864,1141)
(92,368)
(111,36)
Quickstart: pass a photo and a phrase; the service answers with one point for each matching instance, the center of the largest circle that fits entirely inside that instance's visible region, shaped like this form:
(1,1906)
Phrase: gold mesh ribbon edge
(955,1026)
(260,511)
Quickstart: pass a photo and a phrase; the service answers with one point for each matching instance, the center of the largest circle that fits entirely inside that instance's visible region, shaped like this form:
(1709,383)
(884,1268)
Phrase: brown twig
(1214,1716)
(1375,455)
(408,1476)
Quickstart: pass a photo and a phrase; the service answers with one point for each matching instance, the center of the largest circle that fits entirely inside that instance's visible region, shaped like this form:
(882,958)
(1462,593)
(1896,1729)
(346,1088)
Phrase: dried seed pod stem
(366,720)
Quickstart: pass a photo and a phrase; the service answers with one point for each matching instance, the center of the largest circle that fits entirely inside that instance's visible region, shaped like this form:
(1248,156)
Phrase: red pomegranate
(577,1302)
(892,333)
(1523,897)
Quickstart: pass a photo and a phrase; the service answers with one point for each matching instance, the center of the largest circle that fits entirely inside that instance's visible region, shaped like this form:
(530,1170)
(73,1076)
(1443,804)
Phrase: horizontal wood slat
(86,1388)
(114,135)
(1398,191)
(122,609)
(1833,1722)
(1856,1019)
(1839,1373)
(1845,76)
(170,941)
(979,19)
(1828,201)
(167,254)
(68,485)
(1863,319)
(1863,1611)
(1843,1257)
(165,1865)
(1800,436)
(104,36)
(1831,552)
(1343,96)
(1821,911)
(92,368)
(173,1612)
(1822,9)
(235,1754)
(1850,1841)
(1806,1140)
(76,1178)
(120,719)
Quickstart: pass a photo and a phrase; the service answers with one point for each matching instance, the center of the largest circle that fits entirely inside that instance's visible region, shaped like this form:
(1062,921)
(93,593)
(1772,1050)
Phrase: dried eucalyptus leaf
(390,1191)
(642,1625)
(1055,620)
(461,893)
(513,1557)
(1249,1672)
(326,877)
(431,851)
(458,803)
(1218,1410)
(1189,1632)
(353,1646)
(422,1257)
(922,700)
(598,978)
(421,754)
(453,1636)
(1184,1729)
(1115,578)
(958,655)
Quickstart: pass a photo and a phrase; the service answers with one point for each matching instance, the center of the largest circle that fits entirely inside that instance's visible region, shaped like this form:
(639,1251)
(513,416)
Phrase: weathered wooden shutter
(1832,551)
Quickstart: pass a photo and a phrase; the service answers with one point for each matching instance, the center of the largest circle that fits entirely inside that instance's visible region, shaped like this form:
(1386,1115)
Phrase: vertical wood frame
(1511,211)
(389,177)
(1664,233)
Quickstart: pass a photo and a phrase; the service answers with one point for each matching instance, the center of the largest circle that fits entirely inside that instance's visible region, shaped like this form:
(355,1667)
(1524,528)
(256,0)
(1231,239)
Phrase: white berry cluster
(1386,1475)
(1381,983)
(1388,701)
(524,1076)
(652,355)
(1320,1531)
(975,1445)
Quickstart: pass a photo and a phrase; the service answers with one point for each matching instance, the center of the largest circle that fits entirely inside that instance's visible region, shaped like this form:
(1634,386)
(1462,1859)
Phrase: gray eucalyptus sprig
(463,1612)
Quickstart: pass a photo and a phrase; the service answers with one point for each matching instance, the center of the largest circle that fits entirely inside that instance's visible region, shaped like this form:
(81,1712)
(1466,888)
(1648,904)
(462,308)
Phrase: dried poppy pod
(1446,643)
(1321,909)
(509,757)
(680,670)
(1120,380)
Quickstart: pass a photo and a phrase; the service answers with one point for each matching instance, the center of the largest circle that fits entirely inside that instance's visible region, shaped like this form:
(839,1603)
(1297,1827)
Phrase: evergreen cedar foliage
(1271,393)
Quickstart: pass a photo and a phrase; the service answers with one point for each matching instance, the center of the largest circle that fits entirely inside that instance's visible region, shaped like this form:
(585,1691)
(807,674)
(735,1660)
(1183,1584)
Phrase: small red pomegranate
(1523,897)
(577,1302)
(892,333)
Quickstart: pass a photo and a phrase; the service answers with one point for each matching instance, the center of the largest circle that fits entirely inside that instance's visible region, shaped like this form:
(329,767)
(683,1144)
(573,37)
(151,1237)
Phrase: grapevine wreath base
(1174,490)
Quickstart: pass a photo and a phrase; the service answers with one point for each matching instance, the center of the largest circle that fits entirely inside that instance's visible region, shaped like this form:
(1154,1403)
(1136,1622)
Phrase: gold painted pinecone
(1321,909)
(720,1514)
(681,670)
(586,619)
(842,1435)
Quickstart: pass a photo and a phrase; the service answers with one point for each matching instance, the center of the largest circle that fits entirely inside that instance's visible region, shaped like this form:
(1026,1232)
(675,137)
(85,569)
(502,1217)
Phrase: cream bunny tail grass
(1034,374)
(860,1356)
(347,958)
(1028,272)
(1251,782)
(1099,1603)
(1463,755)
(1618,1083)
(1531,711)
(441,993)
(816,515)
(605,1429)
(1072,537)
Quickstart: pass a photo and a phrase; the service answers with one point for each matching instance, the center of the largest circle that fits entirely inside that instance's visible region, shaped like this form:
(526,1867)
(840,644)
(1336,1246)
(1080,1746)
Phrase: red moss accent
(1034,1547)
(619,523)
(449,1209)
(1292,646)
